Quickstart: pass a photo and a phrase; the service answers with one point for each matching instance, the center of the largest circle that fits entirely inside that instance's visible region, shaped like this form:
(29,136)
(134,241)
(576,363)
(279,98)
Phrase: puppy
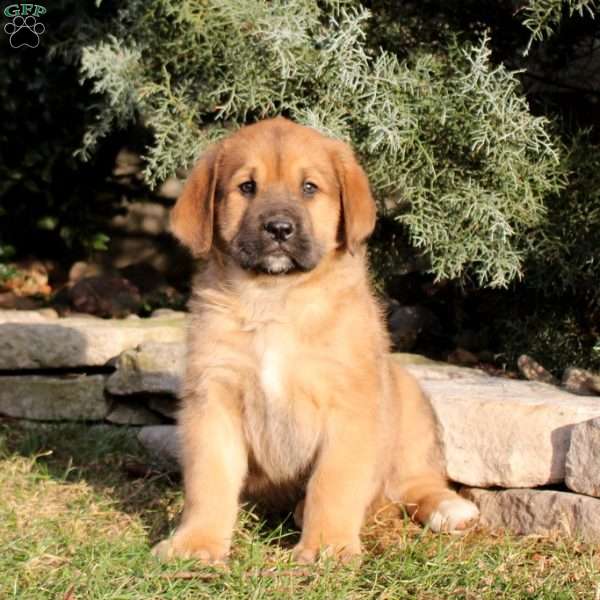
(290,395)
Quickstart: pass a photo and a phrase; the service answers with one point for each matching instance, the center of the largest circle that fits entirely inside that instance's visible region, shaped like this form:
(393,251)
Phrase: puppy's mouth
(275,259)
(277,262)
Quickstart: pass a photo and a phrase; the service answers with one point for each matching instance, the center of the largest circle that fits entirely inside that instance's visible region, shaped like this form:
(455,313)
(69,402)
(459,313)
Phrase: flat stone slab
(122,413)
(152,367)
(580,381)
(496,431)
(583,459)
(74,398)
(29,340)
(502,432)
(539,512)
(164,405)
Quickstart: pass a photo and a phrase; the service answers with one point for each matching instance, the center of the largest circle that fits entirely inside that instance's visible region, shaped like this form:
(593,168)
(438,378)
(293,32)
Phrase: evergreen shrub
(451,148)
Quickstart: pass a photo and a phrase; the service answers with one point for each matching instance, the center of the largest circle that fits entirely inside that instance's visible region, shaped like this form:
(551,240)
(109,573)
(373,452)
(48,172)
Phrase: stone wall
(89,369)
(527,453)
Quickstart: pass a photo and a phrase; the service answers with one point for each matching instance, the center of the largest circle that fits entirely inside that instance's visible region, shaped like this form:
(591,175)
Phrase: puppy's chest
(281,417)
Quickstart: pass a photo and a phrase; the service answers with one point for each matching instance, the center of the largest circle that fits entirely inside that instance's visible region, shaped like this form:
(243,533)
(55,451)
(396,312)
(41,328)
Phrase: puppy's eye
(248,188)
(309,188)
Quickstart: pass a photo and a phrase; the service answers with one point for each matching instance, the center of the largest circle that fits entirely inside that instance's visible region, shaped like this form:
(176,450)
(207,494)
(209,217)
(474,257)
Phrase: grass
(80,509)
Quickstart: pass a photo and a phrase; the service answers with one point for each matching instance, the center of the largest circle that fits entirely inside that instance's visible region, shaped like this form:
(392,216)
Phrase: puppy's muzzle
(280,229)
(279,225)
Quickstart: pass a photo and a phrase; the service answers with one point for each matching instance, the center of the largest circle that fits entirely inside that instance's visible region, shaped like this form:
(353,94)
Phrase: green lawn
(80,509)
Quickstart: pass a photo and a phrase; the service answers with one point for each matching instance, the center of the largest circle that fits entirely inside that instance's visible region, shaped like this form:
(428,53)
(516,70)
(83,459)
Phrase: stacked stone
(528,453)
(84,368)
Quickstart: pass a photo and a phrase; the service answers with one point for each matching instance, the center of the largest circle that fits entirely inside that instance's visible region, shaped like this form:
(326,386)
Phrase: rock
(29,279)
(29,340)
(127,162)
(123,413)
(496,431)
(168,313)
(149,218)
(462,357)
(61,301)
(581,382)
(532,370)
(73,398)
(424,368)
(144,276)
(165,295)
(406,359)
(171,188)
(539,512)
(164,405)
(48,312)
(82,270)
(22,316)
(161,442)
(105,296)
(152,367)
(583,459)
(161,251)
(499,431)
(10,300)
(405,324)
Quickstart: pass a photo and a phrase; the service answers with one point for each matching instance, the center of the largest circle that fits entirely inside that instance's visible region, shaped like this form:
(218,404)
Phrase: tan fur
(290,394)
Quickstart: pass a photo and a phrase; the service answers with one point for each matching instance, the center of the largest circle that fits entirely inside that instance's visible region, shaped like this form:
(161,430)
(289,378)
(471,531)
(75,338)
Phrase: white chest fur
(282,424)
(272,373)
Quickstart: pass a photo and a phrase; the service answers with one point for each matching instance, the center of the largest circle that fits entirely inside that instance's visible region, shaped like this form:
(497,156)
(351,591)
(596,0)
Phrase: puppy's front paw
(304,555)
(187,545)
(453,516)
(343,552)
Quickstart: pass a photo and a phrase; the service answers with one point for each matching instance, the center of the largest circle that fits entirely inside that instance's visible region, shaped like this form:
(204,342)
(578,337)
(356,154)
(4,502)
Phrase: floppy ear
(193,214)
(358,206)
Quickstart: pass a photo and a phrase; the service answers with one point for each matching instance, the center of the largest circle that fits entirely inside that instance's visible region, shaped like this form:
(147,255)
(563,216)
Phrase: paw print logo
(24,31)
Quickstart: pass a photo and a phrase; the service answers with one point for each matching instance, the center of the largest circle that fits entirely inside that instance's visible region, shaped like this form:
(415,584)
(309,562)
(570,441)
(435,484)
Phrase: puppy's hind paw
(453,516)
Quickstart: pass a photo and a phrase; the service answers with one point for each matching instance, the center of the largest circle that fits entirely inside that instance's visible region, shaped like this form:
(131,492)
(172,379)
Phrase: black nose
(279,229)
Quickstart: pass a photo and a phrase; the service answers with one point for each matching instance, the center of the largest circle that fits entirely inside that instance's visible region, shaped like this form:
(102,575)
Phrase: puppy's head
(276,197)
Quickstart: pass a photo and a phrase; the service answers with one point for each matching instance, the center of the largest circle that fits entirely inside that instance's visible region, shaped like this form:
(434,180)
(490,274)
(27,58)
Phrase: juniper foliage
(450,145)
(542,17)
(564,252)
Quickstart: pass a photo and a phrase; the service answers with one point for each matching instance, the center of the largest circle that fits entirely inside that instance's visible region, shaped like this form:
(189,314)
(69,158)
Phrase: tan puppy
(290,395)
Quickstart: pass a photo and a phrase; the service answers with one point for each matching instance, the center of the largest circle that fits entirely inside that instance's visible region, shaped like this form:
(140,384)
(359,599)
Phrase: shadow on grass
(107,458)
(112,462)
